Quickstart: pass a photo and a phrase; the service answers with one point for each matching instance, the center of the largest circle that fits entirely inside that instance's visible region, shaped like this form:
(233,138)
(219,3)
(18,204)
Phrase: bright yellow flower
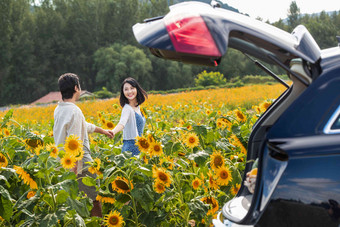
(121,185)
(38,149)
(105,199)
(235,189)
(143,144)
(73,145)
(236,142)
(6,132)
(159,187)
(156,149)
(216,160)
(109,125)
(26,178)
(53,149)
(212,181)
(196,183)
(68,162)
(30,194)
(114,219)
(92,170)
(264,106)
(240,116)
(191,140)
(3,160)
(213,204)
(223,175)
(162,175)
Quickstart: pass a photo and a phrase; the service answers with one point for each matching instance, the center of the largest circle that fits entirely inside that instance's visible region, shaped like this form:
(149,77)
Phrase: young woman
(132,121)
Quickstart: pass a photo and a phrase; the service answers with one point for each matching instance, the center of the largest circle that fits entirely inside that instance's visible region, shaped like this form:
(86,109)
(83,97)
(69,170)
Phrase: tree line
(94,39)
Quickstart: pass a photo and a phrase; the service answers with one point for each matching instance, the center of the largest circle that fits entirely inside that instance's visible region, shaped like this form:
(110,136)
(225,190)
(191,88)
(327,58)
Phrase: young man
(68,120)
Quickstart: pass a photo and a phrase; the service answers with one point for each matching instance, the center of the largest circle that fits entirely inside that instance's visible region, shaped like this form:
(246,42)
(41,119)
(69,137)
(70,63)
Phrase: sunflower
(264,106)
(236,142)
(121,185)
(6,132)
(159,187)
(34,142)
(26,178)
(191,140)
(53,149)
(155,149)
(73,144)
(189,127)
(114,219)
(235,189)
(30,194)
(68,162)
(97,163)
(240,116)
(92,169)
(78,156)
(151,139)
(169,162)
(99,114)
(143,144)
(196,183)
(105,199)
(38,149)
(223,175)
(212,202)
(212,181)
(3,160)
(103,121)
(217,160)
(109,125)
(220,123)
(208,112)
(162,175)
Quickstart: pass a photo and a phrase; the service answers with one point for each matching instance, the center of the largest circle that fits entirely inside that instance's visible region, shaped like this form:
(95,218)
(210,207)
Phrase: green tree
(117,62)
(211,78)
(293,15)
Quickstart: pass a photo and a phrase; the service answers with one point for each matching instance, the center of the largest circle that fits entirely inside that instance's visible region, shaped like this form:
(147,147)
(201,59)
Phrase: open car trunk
(198,33)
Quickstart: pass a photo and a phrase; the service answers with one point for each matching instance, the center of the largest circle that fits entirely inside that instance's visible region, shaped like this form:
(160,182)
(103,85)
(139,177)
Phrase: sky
(273,10)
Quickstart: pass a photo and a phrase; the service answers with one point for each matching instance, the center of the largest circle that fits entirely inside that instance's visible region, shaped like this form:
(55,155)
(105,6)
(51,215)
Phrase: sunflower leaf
(89,181)
(49,220)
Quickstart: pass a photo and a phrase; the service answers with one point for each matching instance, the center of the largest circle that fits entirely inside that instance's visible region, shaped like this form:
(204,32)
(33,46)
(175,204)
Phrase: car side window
(333,124)
(336,124)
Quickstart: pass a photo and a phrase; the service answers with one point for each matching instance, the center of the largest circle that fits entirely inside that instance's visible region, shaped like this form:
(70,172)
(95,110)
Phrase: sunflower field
(193,154)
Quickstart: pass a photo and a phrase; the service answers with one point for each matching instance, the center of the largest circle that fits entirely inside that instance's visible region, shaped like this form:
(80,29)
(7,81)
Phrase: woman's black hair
(141,94)
(66,83)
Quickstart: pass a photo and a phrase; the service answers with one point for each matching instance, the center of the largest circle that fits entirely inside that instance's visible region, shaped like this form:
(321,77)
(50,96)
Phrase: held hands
(109,133)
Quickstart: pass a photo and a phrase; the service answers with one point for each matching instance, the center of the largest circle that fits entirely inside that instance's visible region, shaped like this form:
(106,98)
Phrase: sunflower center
(113,220)
(218,161)
(73,145)
(122,185)
(192,140)
(68,161)
(224,174)
(144,144)
(157,148)
(2,159)
(162,176)
(109,125)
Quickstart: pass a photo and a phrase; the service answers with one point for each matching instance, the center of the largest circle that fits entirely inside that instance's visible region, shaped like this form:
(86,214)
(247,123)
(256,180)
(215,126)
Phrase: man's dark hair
(141,94)
(66,83)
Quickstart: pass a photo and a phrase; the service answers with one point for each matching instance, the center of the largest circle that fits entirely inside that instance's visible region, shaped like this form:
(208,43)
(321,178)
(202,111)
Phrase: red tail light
(191,35)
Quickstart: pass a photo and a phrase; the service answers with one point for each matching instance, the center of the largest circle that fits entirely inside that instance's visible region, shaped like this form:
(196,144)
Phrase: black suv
(296,142)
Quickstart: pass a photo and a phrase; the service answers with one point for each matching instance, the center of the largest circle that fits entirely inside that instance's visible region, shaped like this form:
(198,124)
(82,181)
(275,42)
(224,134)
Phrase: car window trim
(327,129)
